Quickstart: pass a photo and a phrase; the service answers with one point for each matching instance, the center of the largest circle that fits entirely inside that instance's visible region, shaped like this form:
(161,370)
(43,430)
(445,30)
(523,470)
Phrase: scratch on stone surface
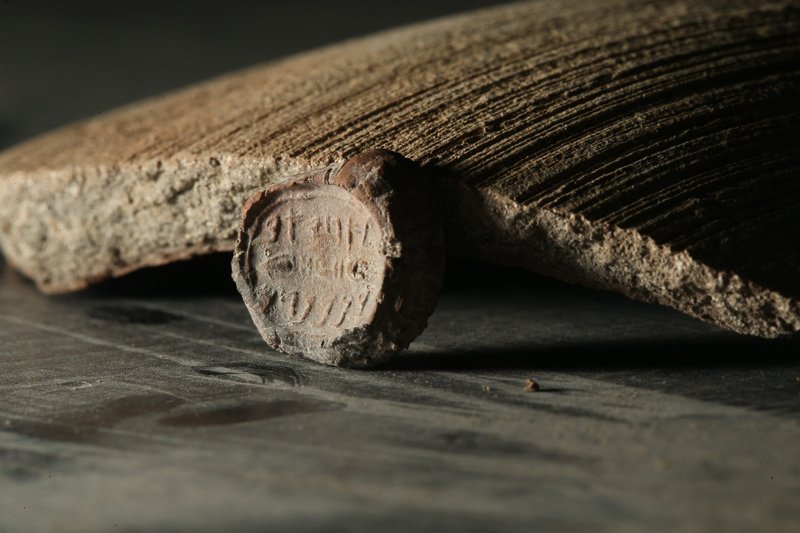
(184,361)
(166,392)
(258,353)
(202,318)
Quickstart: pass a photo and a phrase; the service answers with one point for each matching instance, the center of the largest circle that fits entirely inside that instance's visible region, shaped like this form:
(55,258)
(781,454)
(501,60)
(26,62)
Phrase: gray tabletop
(150,402)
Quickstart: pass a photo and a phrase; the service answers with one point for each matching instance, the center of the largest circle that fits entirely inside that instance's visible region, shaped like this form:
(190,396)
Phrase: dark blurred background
(63,61)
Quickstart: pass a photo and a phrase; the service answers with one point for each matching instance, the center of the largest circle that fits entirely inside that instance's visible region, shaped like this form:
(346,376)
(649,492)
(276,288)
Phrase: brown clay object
(343,269)
(650,148)
(531,385)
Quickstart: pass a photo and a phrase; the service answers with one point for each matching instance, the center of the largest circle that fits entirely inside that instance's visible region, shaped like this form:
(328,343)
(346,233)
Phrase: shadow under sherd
(731,351)
(203,276)
(531,325)
(497,319)
(760,374)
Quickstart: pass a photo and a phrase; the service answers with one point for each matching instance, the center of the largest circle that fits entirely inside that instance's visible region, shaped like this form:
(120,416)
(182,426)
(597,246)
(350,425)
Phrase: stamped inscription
(315,260)
(342,265)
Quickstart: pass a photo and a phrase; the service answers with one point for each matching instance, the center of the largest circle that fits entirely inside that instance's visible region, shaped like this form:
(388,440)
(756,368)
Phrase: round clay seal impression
(347,269)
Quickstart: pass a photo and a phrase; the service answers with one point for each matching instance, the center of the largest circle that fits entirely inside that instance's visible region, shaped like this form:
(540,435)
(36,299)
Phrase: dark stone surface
(644,417)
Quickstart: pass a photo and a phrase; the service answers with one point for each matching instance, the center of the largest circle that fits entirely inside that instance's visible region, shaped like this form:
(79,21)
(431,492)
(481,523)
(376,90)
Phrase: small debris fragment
(486,388)
(531,386)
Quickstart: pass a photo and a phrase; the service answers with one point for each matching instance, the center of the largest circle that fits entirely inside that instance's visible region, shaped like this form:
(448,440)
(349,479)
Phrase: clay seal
(343,267)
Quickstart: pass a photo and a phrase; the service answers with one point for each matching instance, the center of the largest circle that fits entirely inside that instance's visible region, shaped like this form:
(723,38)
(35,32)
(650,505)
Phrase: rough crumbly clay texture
(645,147)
